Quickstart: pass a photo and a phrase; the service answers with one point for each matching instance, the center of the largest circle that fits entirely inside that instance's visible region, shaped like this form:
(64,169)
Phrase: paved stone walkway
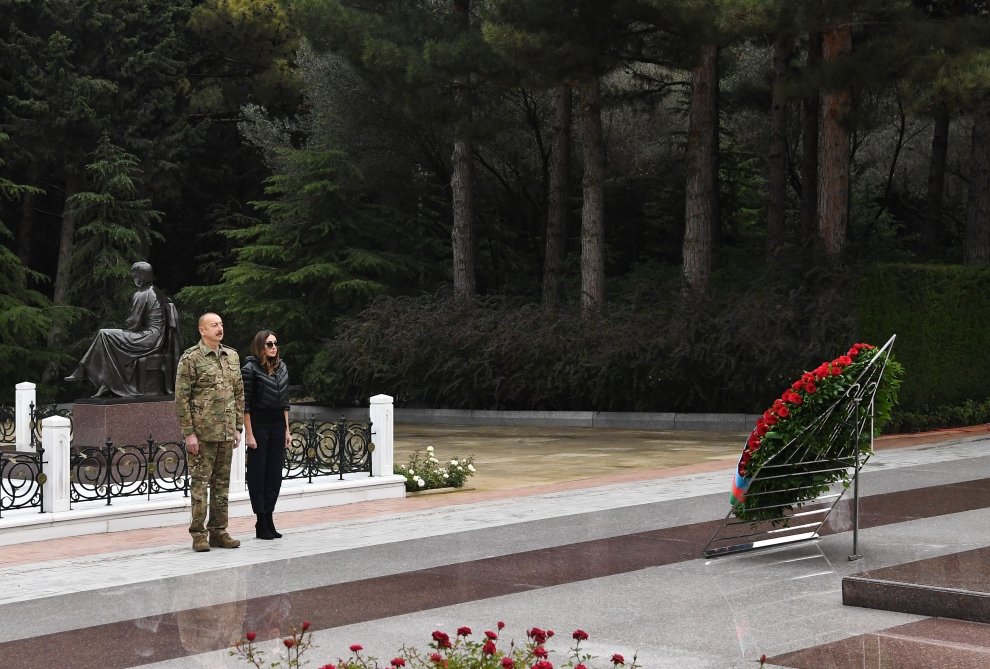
(607,543)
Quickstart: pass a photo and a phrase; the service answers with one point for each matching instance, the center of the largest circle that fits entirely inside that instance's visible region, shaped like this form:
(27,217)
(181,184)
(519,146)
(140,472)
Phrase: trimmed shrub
(940,316)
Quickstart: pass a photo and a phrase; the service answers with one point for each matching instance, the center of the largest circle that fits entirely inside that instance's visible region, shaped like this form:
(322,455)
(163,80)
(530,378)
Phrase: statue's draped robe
(111,358)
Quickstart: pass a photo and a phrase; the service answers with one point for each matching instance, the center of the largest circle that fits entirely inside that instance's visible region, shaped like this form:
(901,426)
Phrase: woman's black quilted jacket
(262,391)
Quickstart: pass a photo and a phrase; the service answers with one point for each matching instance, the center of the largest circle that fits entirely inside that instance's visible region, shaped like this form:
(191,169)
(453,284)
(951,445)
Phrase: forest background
(623,205)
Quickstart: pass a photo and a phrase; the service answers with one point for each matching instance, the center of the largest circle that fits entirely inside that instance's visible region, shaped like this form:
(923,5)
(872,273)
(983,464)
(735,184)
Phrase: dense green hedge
(654,352)
(649,354)
(941,316)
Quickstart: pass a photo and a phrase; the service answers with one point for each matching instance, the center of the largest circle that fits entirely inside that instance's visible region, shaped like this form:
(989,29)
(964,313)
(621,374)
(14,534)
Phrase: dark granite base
(125,421)
(926,644)
(951,586)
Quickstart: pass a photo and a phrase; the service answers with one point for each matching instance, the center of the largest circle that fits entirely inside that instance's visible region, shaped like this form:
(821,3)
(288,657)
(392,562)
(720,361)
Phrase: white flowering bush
(425,471)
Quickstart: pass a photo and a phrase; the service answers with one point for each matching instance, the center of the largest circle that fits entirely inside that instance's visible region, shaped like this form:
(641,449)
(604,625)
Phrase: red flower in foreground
(508,663)
(488,648)
(250,636)
(305,625)
(437,658)
(580,635)
(537,635)
(356,647)
(398,662)
(580,666)
(442,639)
(500,625)
(543,664)
(491,635)
(540,651)
(289,643)
(328,666)
(618,659)
(464,631)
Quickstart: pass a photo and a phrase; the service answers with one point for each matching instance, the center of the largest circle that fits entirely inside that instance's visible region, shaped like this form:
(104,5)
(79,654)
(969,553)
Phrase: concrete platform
(600,544)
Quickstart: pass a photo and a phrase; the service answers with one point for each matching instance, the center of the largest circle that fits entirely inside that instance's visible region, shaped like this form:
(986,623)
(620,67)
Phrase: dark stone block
(951,586)
(126,421)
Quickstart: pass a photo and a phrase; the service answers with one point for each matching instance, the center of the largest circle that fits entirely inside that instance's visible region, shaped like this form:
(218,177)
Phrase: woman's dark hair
(258,351)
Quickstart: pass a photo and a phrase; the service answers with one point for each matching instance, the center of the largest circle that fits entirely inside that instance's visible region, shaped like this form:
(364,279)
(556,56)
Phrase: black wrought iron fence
(22,480)
(321,448)
(103,473)
(8,427)
(42,412)
(107,472)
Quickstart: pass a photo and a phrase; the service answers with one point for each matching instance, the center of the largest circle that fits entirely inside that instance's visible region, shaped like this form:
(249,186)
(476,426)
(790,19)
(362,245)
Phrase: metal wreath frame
(801,521)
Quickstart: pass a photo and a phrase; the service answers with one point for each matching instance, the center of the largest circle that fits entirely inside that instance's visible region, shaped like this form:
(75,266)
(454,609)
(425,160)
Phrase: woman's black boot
(271,527)
(261,527)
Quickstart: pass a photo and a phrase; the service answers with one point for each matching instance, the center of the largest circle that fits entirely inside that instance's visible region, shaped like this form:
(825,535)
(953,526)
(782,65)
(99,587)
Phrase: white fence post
(55,435)
(381,415)
(24,397)
(238,481)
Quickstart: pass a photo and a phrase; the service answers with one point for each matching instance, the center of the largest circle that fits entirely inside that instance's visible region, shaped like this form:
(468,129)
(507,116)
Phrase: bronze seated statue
(139,359)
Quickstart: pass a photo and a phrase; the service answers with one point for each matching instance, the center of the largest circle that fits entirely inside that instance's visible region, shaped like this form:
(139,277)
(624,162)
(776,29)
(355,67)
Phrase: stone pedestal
(127,421)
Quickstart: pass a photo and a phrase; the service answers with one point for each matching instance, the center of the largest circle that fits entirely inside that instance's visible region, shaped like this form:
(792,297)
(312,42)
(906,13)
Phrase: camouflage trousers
(209,486)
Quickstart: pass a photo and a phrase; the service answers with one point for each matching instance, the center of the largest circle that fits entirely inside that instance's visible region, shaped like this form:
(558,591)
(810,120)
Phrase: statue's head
(142,273)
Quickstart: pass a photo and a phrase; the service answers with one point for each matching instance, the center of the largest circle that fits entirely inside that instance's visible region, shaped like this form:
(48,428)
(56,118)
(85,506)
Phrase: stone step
(951,586)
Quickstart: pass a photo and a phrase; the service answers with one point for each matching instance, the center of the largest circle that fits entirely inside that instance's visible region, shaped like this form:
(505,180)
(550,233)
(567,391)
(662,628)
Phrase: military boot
(220,539)
(201,544)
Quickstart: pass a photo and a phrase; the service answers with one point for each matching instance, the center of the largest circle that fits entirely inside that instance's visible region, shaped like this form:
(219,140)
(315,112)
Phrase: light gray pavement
(696,613)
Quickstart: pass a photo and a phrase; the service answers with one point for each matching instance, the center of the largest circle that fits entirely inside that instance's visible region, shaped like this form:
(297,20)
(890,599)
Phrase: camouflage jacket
(209,393)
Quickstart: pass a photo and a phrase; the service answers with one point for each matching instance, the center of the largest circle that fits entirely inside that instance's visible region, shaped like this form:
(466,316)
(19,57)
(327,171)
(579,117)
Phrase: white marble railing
(168,508)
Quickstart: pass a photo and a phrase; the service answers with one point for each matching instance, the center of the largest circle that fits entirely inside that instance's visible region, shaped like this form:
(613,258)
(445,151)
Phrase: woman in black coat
(266,427)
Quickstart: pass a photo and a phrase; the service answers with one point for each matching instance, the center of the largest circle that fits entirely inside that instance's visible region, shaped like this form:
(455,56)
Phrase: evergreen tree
(327,240)
(26,315)
(77,69)
(576,44)
(428,58)
(115,229)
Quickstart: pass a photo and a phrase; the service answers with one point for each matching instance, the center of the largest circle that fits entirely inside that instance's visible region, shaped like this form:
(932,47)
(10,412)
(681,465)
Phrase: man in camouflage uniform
(209,399)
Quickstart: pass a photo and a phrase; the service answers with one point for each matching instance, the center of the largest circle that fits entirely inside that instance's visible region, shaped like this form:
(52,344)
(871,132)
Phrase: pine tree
(429,60)
(564,43)
(116,227)
(26,315)
(75,70)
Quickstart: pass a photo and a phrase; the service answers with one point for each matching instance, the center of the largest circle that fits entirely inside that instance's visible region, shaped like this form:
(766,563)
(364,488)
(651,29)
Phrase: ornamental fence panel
(40,413)
(320,448)
(21,480)
(8,427)
(21,474)
(108,472)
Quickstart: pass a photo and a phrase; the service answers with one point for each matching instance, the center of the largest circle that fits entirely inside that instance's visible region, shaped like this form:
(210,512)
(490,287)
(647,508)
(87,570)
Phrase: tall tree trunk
(25,234)
(931,227)
(462,231)
(810,108)
(66,242)
(462,185)
(978,203)
(833,174)
(63,276)
(777,150)
(593,202)
(558,188)
(701,188)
